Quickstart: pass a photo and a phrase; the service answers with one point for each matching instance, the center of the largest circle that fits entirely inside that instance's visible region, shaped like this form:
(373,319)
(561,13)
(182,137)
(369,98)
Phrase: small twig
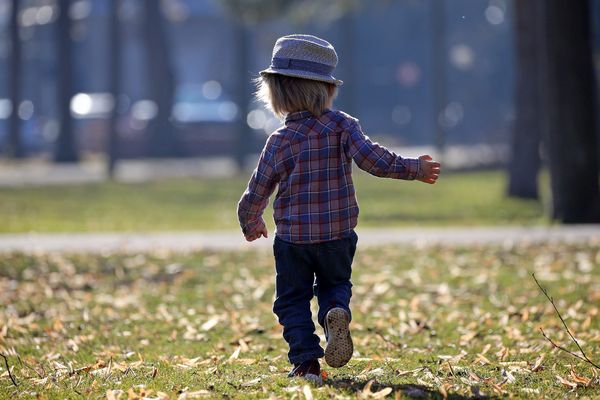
(24,364)
(12,378)
(451,369)
(77,384)
(585,357)
(388,341)
(110,364)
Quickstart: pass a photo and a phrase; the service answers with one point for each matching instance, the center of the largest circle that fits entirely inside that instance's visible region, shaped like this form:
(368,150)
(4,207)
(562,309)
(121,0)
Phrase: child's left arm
(379,161)
(256,197)
(429,170)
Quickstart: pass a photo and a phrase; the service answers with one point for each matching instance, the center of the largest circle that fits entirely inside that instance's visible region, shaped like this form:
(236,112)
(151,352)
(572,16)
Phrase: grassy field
(438,323)
(188,204)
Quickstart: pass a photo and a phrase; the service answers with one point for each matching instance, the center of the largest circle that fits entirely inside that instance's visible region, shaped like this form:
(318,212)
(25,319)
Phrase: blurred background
(92,90)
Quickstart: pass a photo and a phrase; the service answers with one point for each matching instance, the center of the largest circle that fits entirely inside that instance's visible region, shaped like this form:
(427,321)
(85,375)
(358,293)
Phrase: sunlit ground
(428,322)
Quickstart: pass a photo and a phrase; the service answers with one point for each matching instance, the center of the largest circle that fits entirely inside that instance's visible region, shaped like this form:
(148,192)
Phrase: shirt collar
(297,115)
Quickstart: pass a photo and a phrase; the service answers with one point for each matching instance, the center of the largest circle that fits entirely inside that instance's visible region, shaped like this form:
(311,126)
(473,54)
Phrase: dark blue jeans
(322,269)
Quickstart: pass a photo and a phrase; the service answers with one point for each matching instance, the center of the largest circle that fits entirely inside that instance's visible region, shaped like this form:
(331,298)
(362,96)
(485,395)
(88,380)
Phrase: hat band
(304,65)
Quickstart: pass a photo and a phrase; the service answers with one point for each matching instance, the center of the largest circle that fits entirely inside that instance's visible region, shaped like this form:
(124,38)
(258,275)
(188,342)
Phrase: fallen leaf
(193,395)
(367,388)
(211,323)
(307,392)
(235,354)
(580,379)
(530,390)
(114,394)
(566,382)
(537,366)
(483,359)
(382,393)
(252,382)
(508,375)
(444,389)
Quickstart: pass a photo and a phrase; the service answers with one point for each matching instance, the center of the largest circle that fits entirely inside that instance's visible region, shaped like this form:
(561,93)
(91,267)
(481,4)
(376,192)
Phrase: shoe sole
(339,344)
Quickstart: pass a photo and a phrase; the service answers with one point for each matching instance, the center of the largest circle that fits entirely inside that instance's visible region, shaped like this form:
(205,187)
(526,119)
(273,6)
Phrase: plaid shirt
(311,161)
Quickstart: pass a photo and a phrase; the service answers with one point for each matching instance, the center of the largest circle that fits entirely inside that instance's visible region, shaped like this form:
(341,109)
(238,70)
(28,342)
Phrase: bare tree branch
(562,348)
(585,357)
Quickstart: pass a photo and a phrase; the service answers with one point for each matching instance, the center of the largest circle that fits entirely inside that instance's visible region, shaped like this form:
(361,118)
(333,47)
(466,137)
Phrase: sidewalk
(43,173)
(233,240)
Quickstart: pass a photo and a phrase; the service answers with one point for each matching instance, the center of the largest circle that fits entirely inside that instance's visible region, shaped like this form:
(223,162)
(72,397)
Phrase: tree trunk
(348,42)
(569,106)
(243,95)
(66,149)
(161,82)
(14,146)
(525,161)
(439,61)
(114,85)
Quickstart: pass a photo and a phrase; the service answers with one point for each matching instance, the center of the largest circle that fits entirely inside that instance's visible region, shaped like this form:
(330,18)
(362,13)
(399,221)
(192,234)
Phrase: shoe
(310,370)
(339,343)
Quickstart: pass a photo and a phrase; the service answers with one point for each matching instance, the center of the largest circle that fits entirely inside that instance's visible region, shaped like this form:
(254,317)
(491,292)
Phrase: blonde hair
(286,94)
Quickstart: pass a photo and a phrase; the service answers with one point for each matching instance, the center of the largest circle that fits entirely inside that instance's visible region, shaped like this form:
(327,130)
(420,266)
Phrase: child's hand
(430,170)
(261,230)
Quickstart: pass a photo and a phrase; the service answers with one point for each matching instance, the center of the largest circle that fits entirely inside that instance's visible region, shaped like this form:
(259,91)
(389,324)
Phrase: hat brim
(296,73)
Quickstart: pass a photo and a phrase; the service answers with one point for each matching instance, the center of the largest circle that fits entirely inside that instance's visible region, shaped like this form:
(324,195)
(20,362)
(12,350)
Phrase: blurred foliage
(255,11)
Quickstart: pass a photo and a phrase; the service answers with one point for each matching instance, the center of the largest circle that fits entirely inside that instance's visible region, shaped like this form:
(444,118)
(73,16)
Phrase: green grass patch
(202,204)
(441,322)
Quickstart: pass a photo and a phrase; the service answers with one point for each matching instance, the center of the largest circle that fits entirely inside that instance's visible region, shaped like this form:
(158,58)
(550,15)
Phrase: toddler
(309,161)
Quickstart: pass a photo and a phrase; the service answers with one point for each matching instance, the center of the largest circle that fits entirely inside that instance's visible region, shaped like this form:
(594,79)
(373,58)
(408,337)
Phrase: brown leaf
(444,390)
(566,382)
(580,379)
(537,366)
(243,345)
(367,388)
(502,353)
(483,359)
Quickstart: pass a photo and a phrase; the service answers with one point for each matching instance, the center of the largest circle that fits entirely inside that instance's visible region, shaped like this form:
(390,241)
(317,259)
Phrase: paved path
(228,240)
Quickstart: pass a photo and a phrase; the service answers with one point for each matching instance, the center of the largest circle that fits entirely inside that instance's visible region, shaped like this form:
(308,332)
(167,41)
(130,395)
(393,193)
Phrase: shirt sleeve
(260,187)
(376,159)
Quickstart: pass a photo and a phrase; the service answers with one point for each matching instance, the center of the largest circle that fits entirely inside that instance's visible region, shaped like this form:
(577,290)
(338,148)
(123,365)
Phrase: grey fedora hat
(304,56)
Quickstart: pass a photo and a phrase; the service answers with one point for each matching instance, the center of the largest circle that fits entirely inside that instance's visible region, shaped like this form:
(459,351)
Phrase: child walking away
(309,161)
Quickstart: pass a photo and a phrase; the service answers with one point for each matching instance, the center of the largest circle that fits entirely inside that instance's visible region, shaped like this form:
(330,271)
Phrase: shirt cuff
(250,226)
(413,168)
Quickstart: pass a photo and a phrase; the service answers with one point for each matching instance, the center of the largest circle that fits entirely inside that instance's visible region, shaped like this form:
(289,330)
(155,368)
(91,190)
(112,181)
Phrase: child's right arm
(379,161)
(256,197)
